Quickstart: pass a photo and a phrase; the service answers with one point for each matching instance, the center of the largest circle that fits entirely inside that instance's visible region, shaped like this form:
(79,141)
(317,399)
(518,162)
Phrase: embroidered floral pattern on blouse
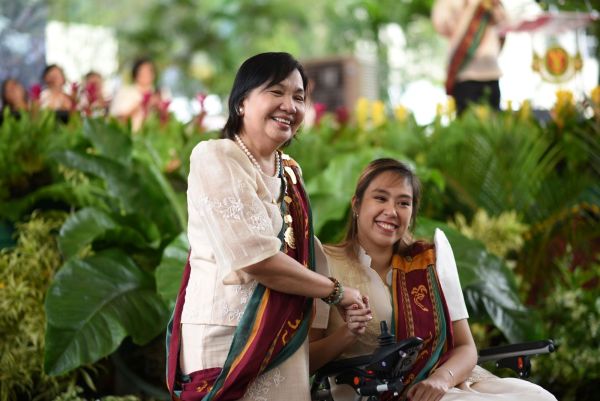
(243,293)
(259,390)
(258,221)
(233,208)
(233,314)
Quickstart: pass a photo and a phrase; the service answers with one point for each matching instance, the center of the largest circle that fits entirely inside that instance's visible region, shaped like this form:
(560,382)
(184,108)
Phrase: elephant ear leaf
(168,273)
(82,228)
(109,140)
(93,304)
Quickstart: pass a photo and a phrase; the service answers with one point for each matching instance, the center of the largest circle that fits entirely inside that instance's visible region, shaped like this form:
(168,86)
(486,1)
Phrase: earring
(240,111)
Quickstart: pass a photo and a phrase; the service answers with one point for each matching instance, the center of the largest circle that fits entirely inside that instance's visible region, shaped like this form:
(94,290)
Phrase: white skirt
(480,386)
(206,346)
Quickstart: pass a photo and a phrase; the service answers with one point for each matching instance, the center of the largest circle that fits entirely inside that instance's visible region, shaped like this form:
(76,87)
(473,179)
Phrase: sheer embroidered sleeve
(232,214)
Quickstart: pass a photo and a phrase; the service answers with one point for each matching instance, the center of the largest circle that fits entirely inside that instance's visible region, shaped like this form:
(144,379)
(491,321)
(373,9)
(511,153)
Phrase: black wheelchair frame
(383,371)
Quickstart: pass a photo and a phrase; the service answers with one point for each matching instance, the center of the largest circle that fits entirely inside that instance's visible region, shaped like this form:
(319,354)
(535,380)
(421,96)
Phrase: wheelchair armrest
(516,356)
(513,350)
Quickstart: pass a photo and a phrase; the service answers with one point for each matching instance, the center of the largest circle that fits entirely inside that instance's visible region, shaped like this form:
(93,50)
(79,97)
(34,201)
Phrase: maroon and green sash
(469,41)
(274,325)
(419,309)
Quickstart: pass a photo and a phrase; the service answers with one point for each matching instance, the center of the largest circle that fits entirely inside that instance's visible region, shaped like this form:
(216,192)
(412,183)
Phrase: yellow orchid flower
(482,112)
(362,111)
(378,113)
(525,110)
(401,113)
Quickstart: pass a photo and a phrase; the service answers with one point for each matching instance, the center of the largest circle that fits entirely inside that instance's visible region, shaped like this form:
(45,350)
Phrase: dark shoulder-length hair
(48,68)
(270,68)
(137,64)
(374,169)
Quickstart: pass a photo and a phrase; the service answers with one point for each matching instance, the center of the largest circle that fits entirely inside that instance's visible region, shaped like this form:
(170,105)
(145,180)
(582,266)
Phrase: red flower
(91,92)
(163,111)
(342,116)
(320,109)
(146,97)
(35,92)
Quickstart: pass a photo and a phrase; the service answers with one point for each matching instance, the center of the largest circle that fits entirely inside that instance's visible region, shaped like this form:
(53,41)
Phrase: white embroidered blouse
(233,222)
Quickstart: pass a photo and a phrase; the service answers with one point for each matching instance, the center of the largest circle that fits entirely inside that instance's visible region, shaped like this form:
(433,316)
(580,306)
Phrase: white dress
(125,101)
(480,386)
(234,222)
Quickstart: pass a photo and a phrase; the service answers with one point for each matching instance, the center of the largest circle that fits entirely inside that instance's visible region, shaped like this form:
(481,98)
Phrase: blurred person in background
(53,96)
(14,98)
(92,100)
(471,28)
(134,102)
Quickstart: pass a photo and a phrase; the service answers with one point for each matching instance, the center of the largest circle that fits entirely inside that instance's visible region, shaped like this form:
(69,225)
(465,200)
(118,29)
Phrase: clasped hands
(357,316)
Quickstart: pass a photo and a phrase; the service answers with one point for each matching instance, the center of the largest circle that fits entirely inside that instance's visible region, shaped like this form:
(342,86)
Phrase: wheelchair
(383,371)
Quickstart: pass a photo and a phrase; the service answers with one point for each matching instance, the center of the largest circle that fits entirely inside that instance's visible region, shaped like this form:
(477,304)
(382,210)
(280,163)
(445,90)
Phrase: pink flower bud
(35,92)
(320,109)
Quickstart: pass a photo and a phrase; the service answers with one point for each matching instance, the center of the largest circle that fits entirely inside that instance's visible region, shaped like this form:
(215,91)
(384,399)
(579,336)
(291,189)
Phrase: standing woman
(246,302)
(414,286)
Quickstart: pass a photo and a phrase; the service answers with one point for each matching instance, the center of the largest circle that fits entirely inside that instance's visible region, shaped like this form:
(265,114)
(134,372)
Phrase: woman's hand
(351,297)
(357,318)
(433,388)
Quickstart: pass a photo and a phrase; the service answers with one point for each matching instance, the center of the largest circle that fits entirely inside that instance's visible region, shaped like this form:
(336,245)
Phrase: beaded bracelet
(336,295)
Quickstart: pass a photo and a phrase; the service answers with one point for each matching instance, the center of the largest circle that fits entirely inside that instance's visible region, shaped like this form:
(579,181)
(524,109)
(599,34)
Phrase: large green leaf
(168,273)
(135,187)
(81,228)
(89,224)
(93,304)
(57,195)
(109,139)
(488,285)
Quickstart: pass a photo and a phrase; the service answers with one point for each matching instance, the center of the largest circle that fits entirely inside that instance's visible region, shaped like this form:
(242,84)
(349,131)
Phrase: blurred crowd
(131,103)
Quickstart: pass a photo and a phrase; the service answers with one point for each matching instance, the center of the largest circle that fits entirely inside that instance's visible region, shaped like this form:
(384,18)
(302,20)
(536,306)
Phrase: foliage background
(519,199)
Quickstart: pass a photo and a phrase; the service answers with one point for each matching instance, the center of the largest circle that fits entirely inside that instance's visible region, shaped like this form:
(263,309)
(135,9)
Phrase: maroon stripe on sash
(460,54)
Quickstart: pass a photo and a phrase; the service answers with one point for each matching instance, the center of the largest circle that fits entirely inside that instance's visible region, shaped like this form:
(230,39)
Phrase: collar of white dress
(365,261)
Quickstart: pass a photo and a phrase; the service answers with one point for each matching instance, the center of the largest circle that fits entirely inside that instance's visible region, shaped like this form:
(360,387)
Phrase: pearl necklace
(243,146)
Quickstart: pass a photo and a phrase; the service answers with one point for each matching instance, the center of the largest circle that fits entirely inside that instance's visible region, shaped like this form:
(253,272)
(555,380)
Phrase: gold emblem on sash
(291,174)
(418,294)
(289,237)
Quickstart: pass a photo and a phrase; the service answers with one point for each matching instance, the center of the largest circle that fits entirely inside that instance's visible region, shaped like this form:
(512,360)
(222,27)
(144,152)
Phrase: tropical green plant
(30,178)
(573,371)
(25,274)
(501,234)
(126,231)
(111,251)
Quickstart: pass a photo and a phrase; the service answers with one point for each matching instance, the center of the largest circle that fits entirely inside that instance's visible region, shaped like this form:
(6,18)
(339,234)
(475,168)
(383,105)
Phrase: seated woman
(414,286)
